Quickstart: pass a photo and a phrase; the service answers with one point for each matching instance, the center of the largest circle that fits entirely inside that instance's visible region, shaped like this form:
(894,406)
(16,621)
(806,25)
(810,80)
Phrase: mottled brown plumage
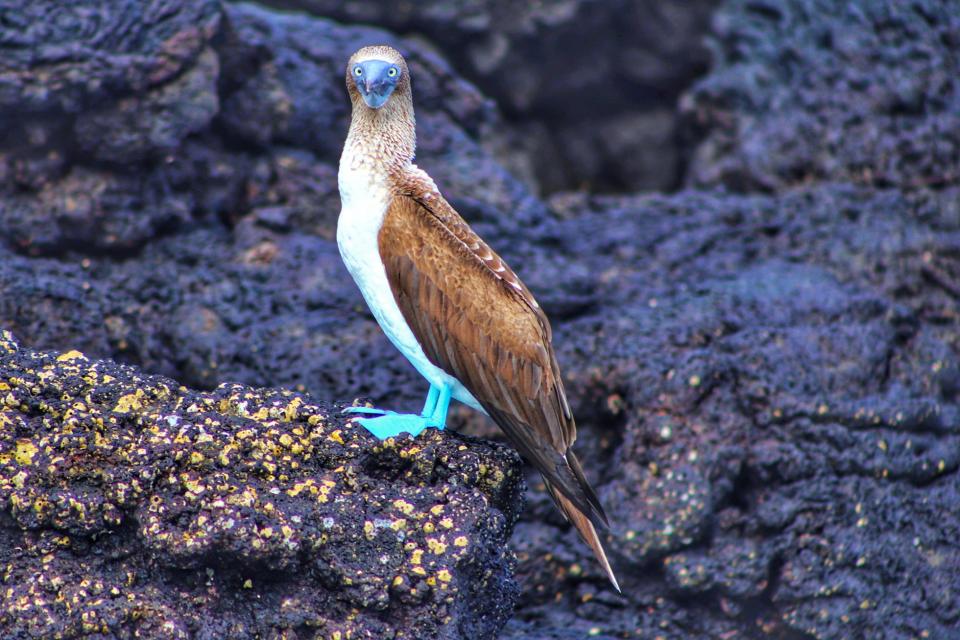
(469,311)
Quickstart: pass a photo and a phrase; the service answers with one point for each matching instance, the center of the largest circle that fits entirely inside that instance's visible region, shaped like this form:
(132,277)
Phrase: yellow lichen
(129,402)
(402,505)
(24,452)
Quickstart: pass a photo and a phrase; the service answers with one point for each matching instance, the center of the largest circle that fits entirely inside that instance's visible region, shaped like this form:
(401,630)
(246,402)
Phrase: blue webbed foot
(388,424)
(393,424)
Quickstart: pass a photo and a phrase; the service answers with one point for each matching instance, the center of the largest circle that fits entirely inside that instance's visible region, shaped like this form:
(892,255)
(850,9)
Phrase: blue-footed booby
(451,306)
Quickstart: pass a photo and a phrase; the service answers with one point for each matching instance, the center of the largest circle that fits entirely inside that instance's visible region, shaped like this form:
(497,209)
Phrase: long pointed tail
(586,530)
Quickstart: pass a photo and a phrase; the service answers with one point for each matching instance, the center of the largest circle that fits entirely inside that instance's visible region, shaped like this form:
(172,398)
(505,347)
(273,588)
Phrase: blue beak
(375,80)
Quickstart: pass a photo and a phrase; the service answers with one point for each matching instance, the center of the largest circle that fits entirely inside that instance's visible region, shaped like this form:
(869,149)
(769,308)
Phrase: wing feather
(479,323)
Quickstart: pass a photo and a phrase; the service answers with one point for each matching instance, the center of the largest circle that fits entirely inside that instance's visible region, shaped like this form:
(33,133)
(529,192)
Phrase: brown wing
(479,323)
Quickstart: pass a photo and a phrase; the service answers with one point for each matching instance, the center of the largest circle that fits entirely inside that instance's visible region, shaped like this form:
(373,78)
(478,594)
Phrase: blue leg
(439,417)
(431,402)
(387,424)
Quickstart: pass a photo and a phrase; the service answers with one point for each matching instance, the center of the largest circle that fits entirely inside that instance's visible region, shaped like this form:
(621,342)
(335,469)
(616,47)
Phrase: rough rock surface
(813,89)
(134,507)
(244,126)
(768,396)
(767,383)
(588,88)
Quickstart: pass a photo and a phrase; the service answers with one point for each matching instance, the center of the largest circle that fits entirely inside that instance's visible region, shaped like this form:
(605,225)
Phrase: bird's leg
(431,402)
(441,406)
(427,412)
(388,424)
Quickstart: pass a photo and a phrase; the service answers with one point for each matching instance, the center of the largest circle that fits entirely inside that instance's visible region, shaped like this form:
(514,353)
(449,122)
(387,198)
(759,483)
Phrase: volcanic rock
(133,506)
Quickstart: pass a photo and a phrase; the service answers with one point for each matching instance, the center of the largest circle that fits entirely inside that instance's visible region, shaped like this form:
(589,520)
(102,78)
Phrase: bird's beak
(374,82)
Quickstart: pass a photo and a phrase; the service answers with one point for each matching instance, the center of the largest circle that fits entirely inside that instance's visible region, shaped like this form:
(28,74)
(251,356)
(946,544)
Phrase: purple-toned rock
(813,90)
(134,506)
(766,384)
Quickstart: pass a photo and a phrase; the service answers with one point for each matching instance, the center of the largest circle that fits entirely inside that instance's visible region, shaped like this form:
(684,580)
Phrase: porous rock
(64,57)
(766,384)
(133,506)
(826,89)
(256,97)
(767,395)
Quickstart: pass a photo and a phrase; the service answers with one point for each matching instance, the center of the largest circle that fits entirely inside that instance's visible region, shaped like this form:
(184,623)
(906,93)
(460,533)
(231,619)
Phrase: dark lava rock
(155,123)
(588,88)
(254,119)
(827,89)
(751,375)
(767,397)
(132,506)
(766,384)
(65,56)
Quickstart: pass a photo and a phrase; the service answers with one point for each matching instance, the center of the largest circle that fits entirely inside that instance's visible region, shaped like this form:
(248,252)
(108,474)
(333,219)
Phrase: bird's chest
(364,205)
(364,208)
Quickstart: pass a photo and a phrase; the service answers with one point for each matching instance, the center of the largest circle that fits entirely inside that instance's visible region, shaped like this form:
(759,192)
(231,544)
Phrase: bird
(446,300)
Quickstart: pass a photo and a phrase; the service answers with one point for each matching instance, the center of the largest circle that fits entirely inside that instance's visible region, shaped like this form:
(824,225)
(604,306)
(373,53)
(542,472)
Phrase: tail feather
(586,530)
(597,517)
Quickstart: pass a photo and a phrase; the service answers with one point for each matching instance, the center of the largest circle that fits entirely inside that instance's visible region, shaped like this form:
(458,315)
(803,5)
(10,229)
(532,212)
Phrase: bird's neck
(381,142)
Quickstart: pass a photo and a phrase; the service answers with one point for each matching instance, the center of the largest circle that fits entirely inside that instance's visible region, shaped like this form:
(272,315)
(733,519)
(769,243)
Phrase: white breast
(364,201)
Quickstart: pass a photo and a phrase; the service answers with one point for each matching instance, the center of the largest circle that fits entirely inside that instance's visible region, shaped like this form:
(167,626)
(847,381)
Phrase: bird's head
(374,74)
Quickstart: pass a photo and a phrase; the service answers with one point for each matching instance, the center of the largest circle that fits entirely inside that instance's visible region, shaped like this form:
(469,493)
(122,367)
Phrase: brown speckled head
(383,61)
(382,128)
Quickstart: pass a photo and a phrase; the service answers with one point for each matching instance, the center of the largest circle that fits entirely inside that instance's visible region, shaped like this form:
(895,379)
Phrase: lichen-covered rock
(130,505)
(827,89)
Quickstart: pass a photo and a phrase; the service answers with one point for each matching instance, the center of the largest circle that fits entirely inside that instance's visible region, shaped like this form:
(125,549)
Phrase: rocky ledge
(134,507)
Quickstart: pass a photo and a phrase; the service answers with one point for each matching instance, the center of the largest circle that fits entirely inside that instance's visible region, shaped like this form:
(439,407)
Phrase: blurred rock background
(587,90)
(743,218)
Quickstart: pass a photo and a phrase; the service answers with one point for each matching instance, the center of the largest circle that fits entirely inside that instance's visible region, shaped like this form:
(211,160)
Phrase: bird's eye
(392,72)
(358,71)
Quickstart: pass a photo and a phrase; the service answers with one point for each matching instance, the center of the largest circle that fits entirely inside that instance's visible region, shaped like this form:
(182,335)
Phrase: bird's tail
(586,530)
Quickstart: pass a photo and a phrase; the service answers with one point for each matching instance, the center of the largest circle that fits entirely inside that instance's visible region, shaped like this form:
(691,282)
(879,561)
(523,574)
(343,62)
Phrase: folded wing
(479,323)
